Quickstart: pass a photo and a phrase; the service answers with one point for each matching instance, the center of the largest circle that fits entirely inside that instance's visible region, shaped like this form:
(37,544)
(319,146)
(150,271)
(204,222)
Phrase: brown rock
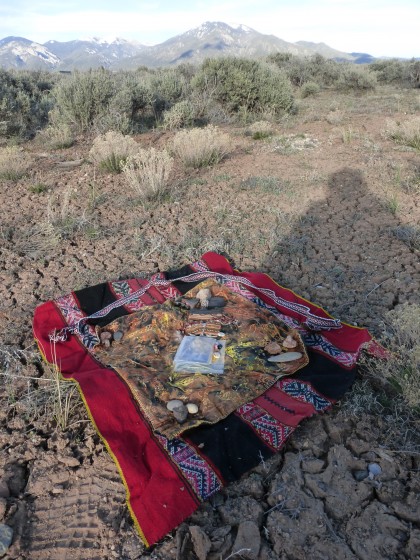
(4,489)
(273,348)
(201,542)
(248,540)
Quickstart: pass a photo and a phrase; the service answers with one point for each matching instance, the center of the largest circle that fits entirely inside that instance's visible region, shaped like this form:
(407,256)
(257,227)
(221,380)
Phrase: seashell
(221,334)
(192,408)
(117,336)
(180,412)
(289,342)
(105,335)
(204,295)
(216,355)
(285,357)
(273,348)
(173,404)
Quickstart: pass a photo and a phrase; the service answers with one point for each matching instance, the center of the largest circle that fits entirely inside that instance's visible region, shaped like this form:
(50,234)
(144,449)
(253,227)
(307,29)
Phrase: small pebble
(192,408)
(360,475)
(180,412)
(6,536)
(107,343)
(374,470)
(289,342)
(273,348)
(286,357)
(105,335)
(117,336)
(173,404)
(221,334)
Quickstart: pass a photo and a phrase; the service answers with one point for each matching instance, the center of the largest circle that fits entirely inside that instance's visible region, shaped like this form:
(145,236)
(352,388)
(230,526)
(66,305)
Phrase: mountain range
(211,39)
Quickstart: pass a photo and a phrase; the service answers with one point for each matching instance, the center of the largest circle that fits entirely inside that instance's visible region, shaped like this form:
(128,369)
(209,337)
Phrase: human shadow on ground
(344,254)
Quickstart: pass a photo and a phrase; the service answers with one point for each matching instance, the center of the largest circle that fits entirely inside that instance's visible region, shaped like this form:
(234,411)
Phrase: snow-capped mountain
(210,39)
(17,52)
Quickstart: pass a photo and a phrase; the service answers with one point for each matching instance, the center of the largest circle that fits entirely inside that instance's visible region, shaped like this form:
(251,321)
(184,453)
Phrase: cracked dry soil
(326,220)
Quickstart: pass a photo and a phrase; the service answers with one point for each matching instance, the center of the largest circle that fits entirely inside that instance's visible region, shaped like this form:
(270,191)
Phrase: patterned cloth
(166,478)
(150,339)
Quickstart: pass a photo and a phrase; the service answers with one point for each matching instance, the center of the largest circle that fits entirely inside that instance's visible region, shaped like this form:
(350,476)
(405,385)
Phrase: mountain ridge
(210,39)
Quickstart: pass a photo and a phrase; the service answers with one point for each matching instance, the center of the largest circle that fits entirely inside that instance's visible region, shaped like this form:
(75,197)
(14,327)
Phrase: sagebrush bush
(56,136)
(25,101)
(309,88)
(406,133)
(111,150)
(148,173)
(83,97)
(402,339)
(244,86)
(200,147)
(179,115)
(14,163)
(261,129)
(355,78)
(301,70)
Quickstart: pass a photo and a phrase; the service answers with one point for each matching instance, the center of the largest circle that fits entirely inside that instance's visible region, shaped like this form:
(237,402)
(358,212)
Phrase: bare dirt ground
(327,206)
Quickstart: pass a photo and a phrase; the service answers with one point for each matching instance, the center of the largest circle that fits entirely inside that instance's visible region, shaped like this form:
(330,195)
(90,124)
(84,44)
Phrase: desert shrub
(394,71)
(260,129)
(14,163)
(301,70)
(406,133)
(25,101)
(244,86)
(56,136)
(111,150)
(355,78)
(131,105)
(402,339)
(309,88)
(83,97)
(179,115)
(409,234)
(200,147)
(389,71)
(168,86)
(148,172)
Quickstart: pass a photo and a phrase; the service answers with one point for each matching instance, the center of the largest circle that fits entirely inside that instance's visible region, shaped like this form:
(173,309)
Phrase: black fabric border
(231,446)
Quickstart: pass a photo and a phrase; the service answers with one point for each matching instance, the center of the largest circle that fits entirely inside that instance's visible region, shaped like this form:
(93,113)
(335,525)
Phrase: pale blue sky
(379,27)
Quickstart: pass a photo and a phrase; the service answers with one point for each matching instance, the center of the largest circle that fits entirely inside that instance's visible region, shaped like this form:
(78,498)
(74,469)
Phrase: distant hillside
(211,39)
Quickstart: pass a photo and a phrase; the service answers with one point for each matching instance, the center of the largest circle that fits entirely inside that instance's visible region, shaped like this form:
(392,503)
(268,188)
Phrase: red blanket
(167,479)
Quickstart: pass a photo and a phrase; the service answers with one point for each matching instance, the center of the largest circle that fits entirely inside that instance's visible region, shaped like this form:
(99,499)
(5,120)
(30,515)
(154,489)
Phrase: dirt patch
(326,208)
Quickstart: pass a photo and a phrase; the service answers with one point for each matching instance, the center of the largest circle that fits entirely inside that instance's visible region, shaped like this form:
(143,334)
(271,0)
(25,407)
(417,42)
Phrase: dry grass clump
(406,133)
(179,115)
(402,338)
(201,147)
(261,129)
(148,172)
(14,163)
(57,137)
(111,150)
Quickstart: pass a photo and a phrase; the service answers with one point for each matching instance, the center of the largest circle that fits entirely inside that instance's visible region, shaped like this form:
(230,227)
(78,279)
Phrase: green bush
(301,70)
(178,116)
(83,97)
(356,78)
(244,86)
(25,101)
(309,88)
